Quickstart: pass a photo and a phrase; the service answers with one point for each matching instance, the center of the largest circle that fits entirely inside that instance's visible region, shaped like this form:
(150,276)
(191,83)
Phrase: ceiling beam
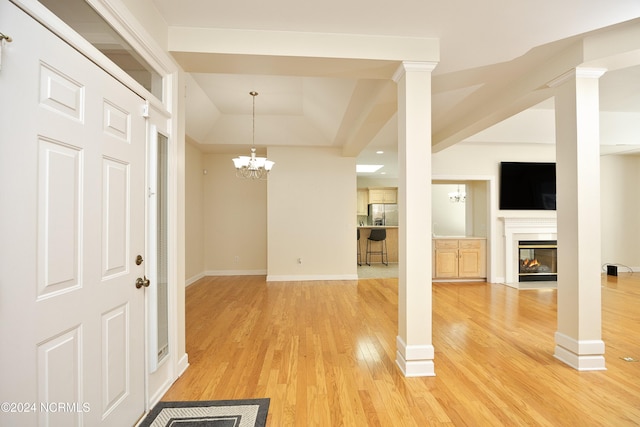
(303,44)
(371,107)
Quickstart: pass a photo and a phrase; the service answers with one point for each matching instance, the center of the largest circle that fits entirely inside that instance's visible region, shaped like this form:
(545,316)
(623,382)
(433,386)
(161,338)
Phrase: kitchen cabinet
(459,258)
(383,195)
(363,201)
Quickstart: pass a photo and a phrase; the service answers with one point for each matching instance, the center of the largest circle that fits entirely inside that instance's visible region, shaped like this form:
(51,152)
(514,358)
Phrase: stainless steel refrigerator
(383,214)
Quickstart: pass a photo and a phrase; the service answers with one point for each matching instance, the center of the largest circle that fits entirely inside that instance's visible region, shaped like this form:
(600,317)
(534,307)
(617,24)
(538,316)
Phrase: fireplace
(538,260)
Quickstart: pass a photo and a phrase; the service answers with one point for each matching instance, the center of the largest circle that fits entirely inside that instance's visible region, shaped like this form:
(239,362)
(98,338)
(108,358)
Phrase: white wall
(194,214)
(311,213)
(620,207)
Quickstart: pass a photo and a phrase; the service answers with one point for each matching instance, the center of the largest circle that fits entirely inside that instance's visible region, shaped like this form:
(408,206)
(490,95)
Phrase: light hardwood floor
(324,352)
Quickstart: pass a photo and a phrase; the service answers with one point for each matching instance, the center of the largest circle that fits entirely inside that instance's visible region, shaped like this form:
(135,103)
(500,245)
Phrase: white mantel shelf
(523,225)
(524,228)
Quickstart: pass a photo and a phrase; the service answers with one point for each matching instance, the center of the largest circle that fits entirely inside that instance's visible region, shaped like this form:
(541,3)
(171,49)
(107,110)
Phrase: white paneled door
(72,223)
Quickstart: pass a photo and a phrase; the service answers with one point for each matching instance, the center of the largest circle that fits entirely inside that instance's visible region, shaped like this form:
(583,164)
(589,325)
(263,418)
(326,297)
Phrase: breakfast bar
(392,242)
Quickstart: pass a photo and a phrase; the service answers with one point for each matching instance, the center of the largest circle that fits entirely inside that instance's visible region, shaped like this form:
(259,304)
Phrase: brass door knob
(140,282)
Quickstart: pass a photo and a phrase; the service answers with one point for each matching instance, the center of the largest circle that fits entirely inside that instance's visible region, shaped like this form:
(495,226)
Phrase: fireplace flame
(530,263)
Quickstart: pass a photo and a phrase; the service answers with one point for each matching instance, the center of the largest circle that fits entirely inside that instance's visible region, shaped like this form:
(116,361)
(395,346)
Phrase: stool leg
(385,254)
(367,254)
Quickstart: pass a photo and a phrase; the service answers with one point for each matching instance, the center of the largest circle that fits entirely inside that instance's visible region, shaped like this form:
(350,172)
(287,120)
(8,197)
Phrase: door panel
(115,364)
(60,204)
(72,160)
(115,191)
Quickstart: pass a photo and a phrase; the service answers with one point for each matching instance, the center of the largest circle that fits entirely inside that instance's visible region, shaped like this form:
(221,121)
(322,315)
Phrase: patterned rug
(213,413)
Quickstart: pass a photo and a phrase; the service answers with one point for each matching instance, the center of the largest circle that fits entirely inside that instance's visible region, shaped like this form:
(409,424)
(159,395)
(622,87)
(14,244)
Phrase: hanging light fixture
(457,196)
(253,167)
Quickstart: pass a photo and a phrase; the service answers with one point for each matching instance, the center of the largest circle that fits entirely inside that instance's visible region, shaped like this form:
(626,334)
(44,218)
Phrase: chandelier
(253,167)
(457,196)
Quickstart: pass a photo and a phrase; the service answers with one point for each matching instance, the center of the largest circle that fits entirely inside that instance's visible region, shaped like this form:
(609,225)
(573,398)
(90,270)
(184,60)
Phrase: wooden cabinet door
(470,263)
(363,201)
(446,265)
(383,195)
(390,195)
(376,196)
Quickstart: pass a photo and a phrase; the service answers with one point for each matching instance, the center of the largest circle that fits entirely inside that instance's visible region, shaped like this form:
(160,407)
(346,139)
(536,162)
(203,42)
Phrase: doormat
(212,413)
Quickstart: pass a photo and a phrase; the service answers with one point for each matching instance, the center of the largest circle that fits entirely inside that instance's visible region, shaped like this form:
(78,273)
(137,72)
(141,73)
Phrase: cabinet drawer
(470,244)
(446,244)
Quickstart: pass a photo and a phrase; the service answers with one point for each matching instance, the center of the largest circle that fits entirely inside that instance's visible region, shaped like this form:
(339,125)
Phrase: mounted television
(527,186)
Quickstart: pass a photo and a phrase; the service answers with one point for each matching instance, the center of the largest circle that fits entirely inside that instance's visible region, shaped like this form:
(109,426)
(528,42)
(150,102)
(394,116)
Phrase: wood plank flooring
(324,352)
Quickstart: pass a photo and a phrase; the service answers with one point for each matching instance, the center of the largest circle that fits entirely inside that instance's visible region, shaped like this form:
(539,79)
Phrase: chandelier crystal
(457,196)
(253,167)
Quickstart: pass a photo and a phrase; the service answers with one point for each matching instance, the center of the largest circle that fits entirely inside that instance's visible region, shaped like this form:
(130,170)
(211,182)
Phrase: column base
(586,355)
(415,360)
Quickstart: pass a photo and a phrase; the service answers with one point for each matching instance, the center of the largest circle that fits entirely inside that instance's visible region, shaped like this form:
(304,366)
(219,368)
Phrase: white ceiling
(485,47)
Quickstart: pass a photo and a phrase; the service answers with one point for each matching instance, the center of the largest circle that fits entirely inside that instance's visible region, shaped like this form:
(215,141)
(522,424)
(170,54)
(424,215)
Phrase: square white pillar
(579,336)
(415,349)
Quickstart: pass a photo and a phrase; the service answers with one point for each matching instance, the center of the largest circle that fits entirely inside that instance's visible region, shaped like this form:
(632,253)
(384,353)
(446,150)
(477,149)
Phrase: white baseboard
(415,360)
(235,273)
(182,365)
(271,278)
(161,392)
(623,269)
(193,279)
(301,278)
(585,355)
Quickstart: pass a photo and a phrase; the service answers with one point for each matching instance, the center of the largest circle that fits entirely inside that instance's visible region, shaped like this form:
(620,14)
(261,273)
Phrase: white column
(414,342)
(579,336)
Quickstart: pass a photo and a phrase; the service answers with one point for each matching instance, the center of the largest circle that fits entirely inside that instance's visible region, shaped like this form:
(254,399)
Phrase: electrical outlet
(236,259)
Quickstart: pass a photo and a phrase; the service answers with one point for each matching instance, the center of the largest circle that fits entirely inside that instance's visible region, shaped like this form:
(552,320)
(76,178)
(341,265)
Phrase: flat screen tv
(527,186)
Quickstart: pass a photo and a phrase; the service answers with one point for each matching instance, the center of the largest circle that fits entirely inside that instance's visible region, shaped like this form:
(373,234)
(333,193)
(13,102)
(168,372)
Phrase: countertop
(458,237)
(377,226)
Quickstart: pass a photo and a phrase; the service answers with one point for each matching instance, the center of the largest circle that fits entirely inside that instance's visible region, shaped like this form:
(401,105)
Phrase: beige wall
(194,214)
(311,202)
(447,218)
(235,220)
(376,181)
(147,15)
(311,214)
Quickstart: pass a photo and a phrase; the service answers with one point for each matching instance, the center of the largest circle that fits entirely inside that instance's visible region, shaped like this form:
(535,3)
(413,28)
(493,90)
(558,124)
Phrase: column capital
(578,72)
(407,66)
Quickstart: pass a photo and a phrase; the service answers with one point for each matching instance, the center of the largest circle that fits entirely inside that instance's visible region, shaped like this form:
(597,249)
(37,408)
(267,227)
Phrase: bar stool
(359,254)
(377,235)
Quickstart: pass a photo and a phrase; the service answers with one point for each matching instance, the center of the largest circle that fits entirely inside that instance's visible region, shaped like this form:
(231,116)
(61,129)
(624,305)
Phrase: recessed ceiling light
(379,152)
(368,168)
(383,173)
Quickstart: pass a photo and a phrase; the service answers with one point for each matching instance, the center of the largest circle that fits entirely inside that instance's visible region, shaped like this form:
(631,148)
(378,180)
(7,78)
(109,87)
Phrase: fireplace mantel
(519,228)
